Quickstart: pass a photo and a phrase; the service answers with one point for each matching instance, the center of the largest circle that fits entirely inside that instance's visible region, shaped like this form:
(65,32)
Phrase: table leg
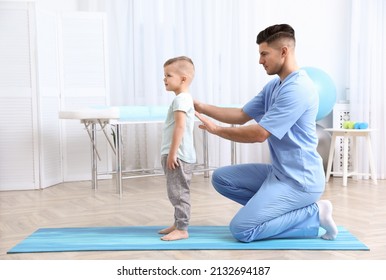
(94,162)
(330,157)
(345,160)
(233,151)
(354,157)
(371,160)
(206,153)
(118,158)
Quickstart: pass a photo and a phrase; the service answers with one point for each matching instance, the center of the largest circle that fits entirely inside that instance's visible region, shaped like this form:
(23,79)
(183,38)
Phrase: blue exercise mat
(145,238)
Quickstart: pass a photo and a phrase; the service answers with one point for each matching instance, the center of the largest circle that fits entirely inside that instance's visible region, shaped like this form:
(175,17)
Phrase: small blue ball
(363,125)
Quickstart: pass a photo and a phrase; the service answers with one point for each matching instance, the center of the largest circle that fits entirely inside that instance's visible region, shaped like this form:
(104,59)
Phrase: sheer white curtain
(368,74)
(219,36)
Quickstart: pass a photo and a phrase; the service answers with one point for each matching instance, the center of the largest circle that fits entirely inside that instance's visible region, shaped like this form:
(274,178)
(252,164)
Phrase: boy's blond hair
(184,66)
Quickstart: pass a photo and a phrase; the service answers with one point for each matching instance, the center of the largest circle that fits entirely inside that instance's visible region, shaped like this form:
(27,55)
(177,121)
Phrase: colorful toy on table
(355,125)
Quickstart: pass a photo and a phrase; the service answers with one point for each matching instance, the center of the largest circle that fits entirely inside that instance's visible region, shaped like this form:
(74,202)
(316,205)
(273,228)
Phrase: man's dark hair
(275,32)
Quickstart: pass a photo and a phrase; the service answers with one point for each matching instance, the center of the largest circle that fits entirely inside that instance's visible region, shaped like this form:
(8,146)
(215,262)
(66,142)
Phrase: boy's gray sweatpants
(178,183)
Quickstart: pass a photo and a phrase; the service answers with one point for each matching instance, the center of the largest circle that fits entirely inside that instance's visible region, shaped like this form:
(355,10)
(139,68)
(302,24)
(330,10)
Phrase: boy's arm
(178,132)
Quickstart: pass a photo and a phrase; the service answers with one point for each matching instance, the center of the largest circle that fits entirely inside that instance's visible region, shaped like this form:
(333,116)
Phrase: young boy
(177,150)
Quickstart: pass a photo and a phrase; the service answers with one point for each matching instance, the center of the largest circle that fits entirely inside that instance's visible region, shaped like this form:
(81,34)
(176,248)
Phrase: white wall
(42,72)
(72,5)
(58,5)
(325,39)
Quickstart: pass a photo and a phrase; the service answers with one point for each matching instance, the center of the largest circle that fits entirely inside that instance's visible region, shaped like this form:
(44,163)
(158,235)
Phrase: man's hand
(207,124)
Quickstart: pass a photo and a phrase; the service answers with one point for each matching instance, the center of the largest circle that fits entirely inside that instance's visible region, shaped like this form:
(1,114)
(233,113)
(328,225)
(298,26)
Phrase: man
(280,200)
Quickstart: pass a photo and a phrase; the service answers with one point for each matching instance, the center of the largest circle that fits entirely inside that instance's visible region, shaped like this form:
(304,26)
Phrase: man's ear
(284,51)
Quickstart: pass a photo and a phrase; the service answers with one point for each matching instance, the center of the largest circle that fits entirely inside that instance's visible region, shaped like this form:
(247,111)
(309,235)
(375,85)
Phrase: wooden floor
(360,207)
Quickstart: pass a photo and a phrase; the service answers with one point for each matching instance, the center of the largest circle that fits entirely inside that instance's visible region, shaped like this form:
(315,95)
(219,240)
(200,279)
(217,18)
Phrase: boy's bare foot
(176,235)
(326,221)
(167,230)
